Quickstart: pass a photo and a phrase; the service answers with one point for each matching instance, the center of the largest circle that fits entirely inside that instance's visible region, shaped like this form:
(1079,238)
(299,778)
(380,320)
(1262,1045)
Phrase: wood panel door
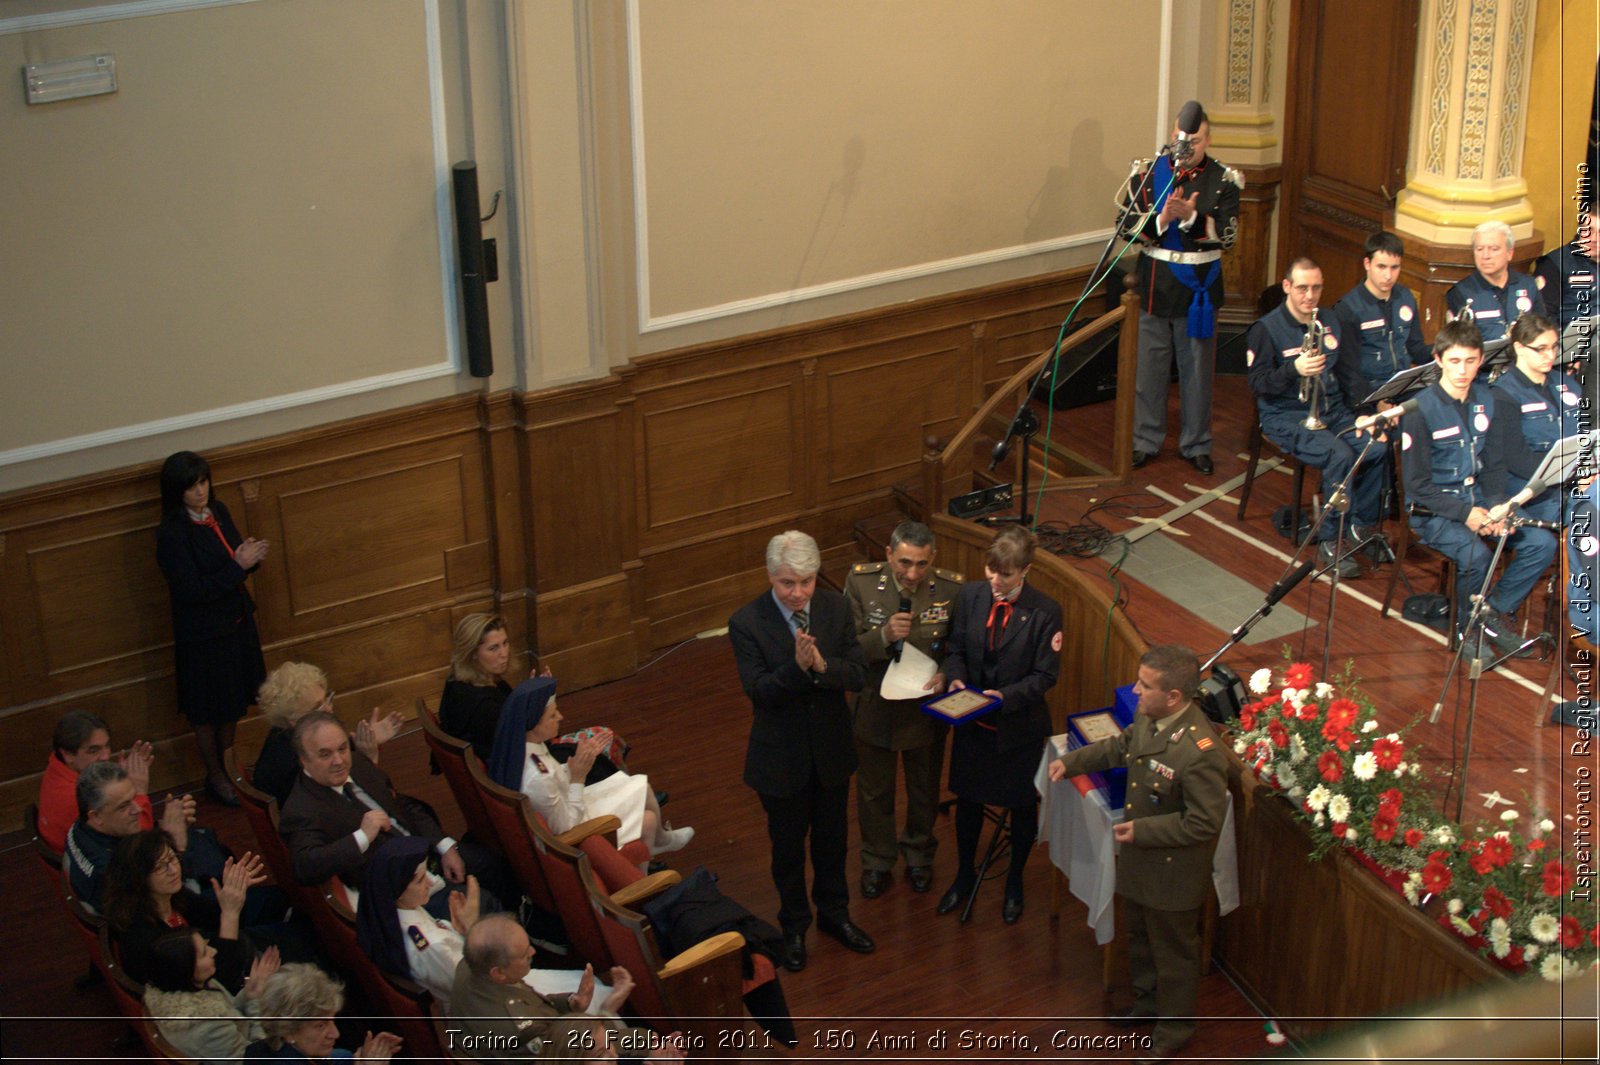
(1348,125)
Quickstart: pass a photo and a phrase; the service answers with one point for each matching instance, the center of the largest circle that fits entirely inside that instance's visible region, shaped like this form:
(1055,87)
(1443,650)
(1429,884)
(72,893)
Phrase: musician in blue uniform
(1496,294)
(1566,276)
(1583,546)
(1380,314)
(1190,216)
(1551,405)
(1454,464)
(1282,371)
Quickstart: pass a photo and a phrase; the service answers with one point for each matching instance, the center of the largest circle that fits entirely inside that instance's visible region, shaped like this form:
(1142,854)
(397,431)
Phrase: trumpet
(1311,388)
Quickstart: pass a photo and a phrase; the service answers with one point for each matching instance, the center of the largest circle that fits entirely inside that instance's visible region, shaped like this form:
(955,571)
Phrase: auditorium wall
(1560,96)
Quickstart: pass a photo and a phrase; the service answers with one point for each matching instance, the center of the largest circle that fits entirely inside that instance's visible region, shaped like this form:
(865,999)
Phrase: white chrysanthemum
(1395,736)
(1556,967)
(1261,681)
(1297,792)
(1324,690)
(1547,825)
(1509,816)
(1285,771)
(1297,749)
(1400,768)
(1369,725)
(1318,799)
(1545,928)
(1365,767)
(1350,835)
(1410,890)
(1339,808)
(1454,906)
(1319,820)
(1499,937)
(1442,834)
(1240,746)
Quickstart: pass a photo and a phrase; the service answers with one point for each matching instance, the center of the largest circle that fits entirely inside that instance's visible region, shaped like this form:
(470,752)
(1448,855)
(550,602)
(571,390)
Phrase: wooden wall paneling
(505,475)
(586,631)
(1247,268)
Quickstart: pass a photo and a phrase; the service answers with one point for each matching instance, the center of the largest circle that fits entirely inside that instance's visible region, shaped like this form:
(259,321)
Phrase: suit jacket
(802,722)
(205,584)
(900,724)
(1023,667)
(1177,797)
(318,824)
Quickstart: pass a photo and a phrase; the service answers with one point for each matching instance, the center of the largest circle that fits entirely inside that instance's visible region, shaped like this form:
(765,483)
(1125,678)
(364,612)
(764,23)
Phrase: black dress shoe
(921,878)
(661,798)
(873,883)
(952,899)
(794,952)
(852,937)
(1140,458)
(1201,463)
(1011,913)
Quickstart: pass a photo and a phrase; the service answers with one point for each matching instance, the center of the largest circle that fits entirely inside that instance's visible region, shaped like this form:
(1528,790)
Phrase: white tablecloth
(1077,829)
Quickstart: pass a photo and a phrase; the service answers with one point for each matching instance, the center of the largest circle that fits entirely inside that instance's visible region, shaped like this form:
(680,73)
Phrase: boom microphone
(1391,415)
(1189,119)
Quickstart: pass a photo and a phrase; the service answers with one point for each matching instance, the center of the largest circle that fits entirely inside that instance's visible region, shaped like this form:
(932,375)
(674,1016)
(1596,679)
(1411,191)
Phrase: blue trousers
(1471,553)
(1334,454)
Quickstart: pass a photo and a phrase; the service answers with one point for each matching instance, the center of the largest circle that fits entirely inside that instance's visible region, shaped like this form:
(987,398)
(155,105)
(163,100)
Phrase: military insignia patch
(935,614)
(1205,744)
(418,940)
(1055,643)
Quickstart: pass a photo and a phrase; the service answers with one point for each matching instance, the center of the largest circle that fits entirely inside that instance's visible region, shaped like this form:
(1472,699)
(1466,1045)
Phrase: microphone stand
(1340,499)
(1023,425)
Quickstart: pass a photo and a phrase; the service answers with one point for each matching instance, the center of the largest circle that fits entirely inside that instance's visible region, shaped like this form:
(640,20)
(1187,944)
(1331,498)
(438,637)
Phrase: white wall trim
(641,220)
(176,423)
(444,212)
(1164,117)
(80,16)
(884,277)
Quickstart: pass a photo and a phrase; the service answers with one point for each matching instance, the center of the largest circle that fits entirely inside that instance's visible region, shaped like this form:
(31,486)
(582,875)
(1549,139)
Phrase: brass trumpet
(1311,388)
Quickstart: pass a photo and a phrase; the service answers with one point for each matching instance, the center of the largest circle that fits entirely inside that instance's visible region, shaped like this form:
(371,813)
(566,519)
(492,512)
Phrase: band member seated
(1495,294)
(1551,404)
(1453,463)
(1380,315)
(1304,376)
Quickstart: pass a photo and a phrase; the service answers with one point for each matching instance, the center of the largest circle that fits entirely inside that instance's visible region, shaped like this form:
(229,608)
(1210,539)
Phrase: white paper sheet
(908,678)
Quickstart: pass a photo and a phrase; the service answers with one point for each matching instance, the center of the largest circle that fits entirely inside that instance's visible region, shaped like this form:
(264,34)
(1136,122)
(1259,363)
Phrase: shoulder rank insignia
(866,567)
(1205,743)
(418,940)
(948,575)
(1232,174)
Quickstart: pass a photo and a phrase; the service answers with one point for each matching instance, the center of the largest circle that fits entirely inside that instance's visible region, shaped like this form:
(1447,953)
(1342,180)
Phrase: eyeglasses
(1543,349)
(168,860)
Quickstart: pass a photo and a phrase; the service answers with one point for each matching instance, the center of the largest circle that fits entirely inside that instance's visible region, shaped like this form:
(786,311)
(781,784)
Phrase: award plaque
(1096,726)
(956,707)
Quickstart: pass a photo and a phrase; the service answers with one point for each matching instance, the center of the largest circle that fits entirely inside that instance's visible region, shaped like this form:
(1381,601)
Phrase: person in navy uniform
(1188,215)
(1583,546)
(1006,641)
(1496,294)
(1453,461)
(1380,315)
(797,653)
(901,601)
(1566,276)
(1281,371)
(1177,804)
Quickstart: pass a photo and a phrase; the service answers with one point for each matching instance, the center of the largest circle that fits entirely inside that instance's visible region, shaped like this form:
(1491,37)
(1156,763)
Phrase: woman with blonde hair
(296,1011)
(475,690)
(290,692)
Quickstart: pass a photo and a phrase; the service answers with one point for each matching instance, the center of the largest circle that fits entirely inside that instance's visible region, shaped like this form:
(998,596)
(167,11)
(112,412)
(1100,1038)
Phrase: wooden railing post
(1127,382)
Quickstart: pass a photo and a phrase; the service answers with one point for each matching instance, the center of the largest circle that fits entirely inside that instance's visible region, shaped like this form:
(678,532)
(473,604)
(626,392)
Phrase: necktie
(802,621)
(999,618)
(210,522)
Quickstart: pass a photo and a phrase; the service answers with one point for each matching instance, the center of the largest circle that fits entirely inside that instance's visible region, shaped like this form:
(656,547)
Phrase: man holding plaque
(797,654)
(902,610)
(1176,804)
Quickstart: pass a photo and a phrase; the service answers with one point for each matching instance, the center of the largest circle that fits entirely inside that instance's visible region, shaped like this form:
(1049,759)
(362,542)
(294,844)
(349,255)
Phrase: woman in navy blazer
(216,650)
(1005,640)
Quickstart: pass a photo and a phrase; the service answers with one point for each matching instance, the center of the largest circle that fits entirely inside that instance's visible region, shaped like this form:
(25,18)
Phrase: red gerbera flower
(1571,933)
(1338,828)
(1498,850)
(1413,837)
(1436,877)
(1536,844)
(1309,711)
(1557,879)
(1297,675)
(1278,734)
(1383,828)
(1344,740)
(1342,713)
(1247,718)
(1481,864)
(1496,903)
(1388,753)
(1594,935)
(1331,767)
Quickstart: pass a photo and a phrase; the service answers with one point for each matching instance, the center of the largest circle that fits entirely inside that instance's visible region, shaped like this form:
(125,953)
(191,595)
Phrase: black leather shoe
(1141,458)
(952,899)
(921,878)
(1131,1018)
(873,883)
(1011,913)
(1201,463)
(794,952)
(852,937)
(661,798)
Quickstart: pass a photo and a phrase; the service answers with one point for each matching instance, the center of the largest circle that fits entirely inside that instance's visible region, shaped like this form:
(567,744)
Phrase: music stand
(1411,379)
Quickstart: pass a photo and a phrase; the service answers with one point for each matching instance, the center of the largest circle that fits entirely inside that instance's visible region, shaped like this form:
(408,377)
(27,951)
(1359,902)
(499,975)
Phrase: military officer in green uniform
(1176,804)
(901,601)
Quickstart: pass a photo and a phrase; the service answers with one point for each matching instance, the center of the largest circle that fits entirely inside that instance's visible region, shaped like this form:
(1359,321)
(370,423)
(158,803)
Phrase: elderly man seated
(81,739)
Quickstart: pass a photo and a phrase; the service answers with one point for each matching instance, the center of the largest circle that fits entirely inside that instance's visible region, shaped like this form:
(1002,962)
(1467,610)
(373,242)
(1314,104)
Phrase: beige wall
(1566,39)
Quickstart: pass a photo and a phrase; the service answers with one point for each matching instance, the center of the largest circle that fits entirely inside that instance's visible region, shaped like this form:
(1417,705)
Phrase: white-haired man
(797,653)
(1496,294)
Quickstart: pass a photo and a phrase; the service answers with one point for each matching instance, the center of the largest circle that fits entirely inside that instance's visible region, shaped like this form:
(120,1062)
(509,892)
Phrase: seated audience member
(521,760)
(1583,612)
(145,897)
(1453,463)
(194,1012)
(403,938)
(109,810)
(1567,276)
(80,740)
(1380,315)
(291,692)
(1282,371)
(342,806)
(296,1012)
(475,690)
(489,999)
(1495,294)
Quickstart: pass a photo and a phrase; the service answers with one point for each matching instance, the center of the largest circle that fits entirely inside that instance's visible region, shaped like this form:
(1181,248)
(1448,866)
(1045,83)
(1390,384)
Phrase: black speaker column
(469,247)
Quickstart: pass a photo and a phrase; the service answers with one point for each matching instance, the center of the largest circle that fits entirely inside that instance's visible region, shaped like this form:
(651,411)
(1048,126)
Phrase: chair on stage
(449,754)
(160,1047)
(1257,438)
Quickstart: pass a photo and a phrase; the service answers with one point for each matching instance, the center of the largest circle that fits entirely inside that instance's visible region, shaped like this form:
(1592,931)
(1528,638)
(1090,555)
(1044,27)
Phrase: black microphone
(1286,585)
(899,645)
(1189,118)
(1001,450)
(1391,415)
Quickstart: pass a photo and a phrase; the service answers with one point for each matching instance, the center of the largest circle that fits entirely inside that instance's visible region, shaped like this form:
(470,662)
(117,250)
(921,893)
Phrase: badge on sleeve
(1569,397)
(1330,341)
(1405,441)
(1480,422)
(1524,304)
(1406,314)
(1055,642)
(418,940)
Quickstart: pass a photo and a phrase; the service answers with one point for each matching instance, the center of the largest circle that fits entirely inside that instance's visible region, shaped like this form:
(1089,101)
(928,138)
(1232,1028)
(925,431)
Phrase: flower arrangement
(1508,892)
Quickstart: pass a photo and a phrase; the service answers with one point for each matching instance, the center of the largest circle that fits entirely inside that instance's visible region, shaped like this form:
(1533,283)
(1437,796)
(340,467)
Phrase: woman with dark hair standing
(216,650)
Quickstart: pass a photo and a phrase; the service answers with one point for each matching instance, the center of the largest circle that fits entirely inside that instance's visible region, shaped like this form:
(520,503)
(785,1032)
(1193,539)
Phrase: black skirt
(218,678)
(981,772)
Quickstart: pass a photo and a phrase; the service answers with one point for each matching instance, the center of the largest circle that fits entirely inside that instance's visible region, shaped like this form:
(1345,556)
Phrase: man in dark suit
(1177,804)
(797,653)
(342,806)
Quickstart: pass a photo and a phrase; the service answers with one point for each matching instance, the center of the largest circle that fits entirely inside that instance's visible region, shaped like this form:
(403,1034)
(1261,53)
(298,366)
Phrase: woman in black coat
(1005,640)
(216,651)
